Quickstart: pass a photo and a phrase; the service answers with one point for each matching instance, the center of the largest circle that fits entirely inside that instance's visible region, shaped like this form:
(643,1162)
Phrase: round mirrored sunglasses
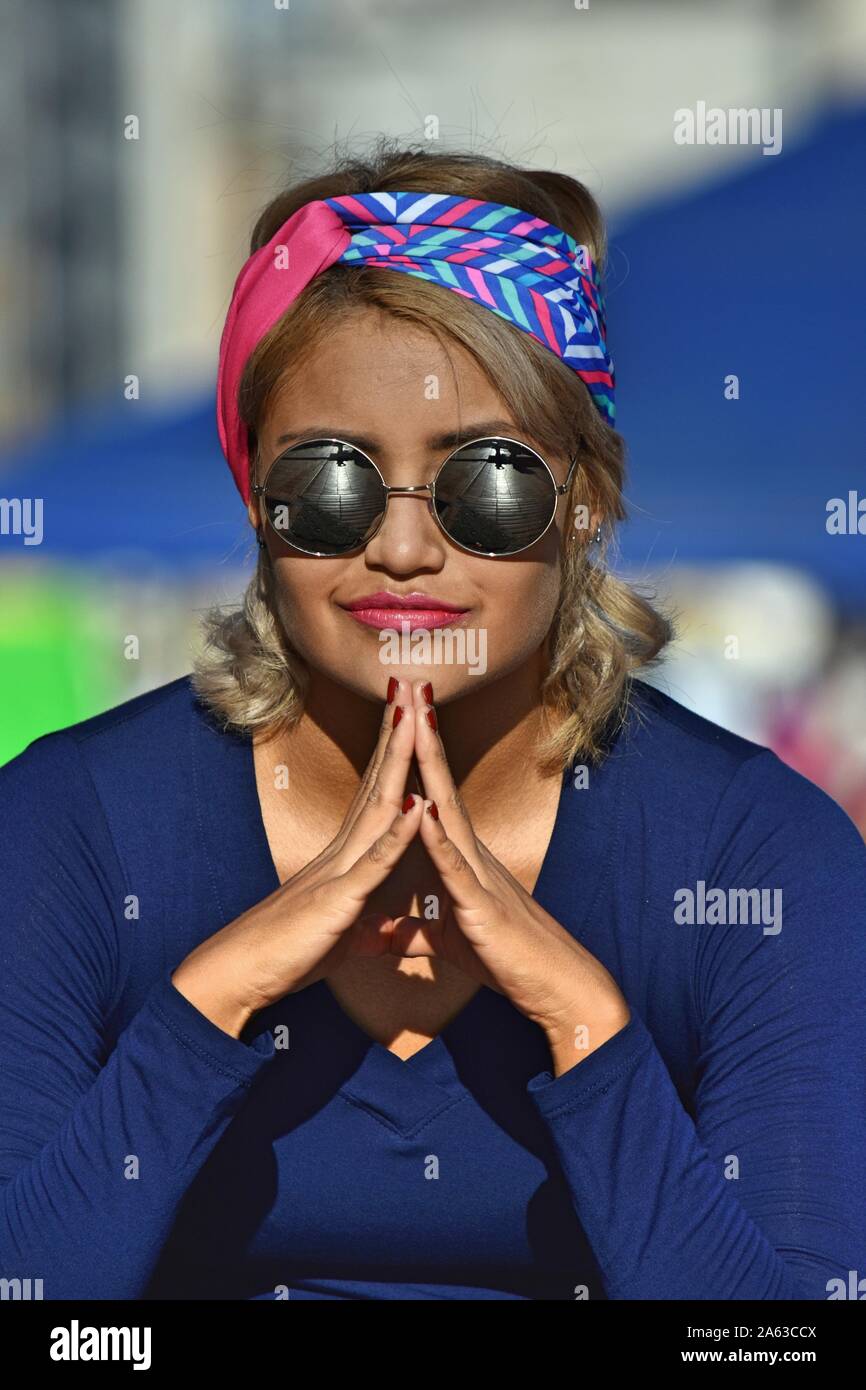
(491,496)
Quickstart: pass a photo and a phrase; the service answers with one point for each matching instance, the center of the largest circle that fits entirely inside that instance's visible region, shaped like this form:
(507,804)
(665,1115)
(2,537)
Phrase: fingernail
(434,810)
(431,719)
(398,715)
(427,692)
(408,804)
(392,688)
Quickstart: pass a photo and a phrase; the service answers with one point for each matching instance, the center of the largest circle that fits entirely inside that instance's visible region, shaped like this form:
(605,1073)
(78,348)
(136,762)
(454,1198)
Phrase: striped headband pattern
(519,266)
(523,268)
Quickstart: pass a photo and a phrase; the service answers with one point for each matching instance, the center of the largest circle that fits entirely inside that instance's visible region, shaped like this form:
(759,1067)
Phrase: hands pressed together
(490,927)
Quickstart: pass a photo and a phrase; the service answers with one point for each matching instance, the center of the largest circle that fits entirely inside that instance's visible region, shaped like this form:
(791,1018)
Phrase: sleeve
(97,1145)
(759,1193)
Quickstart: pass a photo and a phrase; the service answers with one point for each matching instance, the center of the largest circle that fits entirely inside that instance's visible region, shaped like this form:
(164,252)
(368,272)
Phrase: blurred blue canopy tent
(743,278)
(737,278)
(147,488)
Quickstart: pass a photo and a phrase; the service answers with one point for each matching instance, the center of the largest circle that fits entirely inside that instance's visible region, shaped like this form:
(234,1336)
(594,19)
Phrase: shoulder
(155,720)
(767,871)
(80,830)
(118,759)
(657,723)
(739,792)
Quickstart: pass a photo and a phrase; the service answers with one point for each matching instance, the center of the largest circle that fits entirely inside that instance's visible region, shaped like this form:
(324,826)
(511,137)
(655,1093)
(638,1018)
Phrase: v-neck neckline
(431,1055)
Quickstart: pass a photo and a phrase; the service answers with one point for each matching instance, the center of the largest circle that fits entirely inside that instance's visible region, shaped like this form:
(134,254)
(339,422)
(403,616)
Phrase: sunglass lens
(495,496)
(324,497)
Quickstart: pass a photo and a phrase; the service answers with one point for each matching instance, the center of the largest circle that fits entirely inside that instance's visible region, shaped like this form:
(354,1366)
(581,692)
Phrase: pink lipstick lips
(385,609)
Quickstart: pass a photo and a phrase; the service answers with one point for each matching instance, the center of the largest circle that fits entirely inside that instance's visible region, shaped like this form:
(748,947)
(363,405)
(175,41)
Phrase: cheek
(302,591)
(520,602)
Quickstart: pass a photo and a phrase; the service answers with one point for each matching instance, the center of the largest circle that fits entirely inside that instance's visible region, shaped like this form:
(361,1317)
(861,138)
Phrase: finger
(377,860)
(457,874)
(388,787)
(378,798)
(439,784)
(381,796)
(401,692)
(415,782)
(398,694)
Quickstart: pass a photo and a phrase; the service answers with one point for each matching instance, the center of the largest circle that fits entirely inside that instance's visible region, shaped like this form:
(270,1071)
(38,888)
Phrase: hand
(495,931)
(304,929)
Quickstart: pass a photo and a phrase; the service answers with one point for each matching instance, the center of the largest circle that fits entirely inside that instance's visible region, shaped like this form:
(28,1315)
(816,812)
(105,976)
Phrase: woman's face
(376,380)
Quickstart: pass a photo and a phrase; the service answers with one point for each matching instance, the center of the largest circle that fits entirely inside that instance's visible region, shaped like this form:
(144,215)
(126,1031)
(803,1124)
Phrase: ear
(253,509)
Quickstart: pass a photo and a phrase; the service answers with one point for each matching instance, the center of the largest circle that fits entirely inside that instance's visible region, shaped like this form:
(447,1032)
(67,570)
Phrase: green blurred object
(53,668)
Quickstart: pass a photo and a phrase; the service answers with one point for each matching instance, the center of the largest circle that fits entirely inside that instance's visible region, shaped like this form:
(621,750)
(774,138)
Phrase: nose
(408,539)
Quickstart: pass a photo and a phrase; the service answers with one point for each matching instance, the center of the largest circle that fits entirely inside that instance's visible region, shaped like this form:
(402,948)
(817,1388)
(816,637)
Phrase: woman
(495,973)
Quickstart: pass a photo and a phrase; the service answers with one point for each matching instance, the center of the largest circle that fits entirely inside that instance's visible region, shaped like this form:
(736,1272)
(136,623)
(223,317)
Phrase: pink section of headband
(314,238)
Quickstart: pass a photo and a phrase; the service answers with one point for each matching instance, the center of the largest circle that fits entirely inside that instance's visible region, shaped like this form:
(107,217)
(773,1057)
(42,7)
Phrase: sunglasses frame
(559,489)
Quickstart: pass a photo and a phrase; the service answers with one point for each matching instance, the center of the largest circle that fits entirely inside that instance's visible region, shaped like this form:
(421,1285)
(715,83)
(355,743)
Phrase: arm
(97,1147)
(760,1195)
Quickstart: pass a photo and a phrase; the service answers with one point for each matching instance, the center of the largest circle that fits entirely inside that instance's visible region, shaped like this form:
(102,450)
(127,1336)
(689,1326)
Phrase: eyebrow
(450,440)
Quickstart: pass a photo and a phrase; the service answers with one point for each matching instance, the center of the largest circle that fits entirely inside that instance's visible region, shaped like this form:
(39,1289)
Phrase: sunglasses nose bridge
(414,489)
(396,532)
(418,487)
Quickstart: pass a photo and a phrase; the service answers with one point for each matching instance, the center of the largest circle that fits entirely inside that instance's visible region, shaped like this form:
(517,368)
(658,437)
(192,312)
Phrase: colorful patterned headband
(523,268)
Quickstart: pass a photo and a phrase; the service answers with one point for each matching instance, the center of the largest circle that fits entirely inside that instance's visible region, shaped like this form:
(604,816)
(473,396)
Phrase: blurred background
(140,139)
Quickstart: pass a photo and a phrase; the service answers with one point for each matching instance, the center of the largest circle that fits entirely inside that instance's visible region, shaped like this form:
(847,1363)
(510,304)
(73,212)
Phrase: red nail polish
(434,810)
(408,804)
(392,688)
(431,719)
(427,692)
(398,715)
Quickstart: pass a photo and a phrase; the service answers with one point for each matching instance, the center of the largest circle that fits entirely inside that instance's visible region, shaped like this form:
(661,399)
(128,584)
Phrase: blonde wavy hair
(603,630)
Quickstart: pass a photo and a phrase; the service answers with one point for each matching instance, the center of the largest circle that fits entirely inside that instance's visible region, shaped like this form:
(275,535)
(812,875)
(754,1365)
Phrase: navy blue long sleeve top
(714,1148)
